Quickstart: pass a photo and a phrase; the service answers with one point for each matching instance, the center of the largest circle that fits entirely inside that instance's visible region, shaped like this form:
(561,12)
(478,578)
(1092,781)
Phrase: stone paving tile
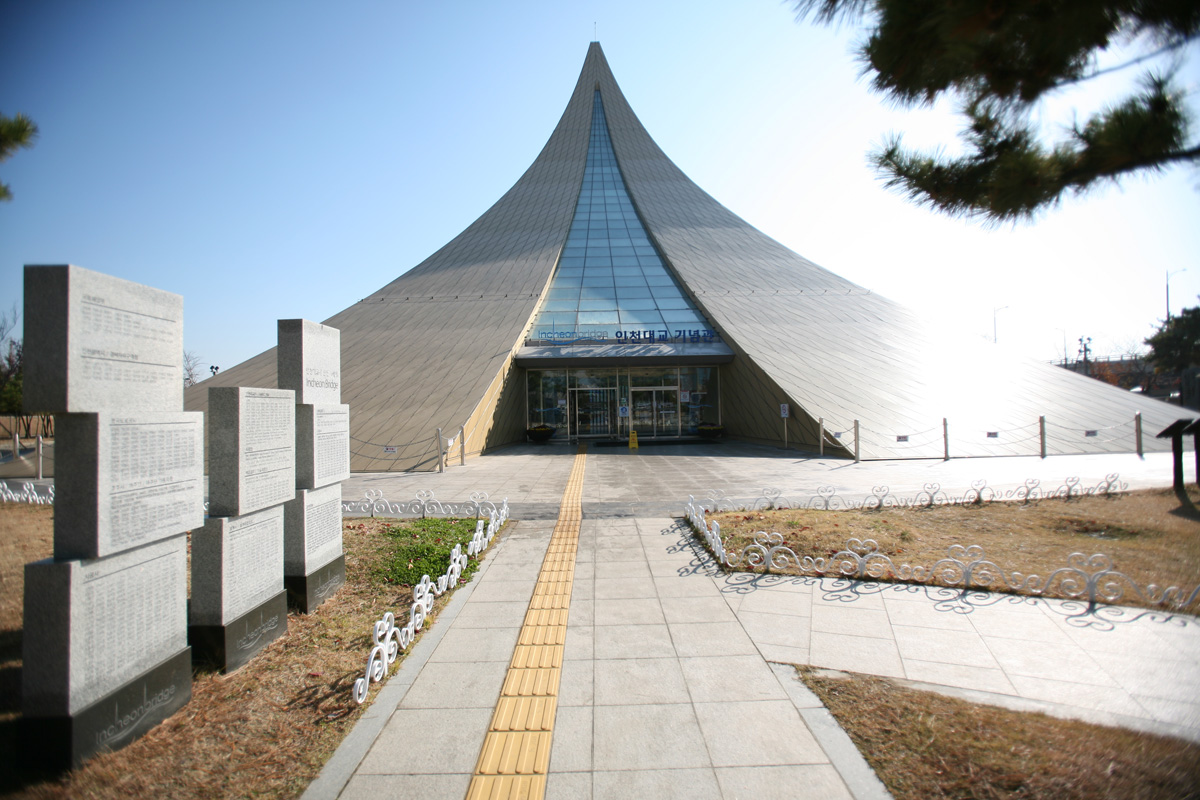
(842,595)
(628,612)
(1138,636)
(642,641)
(568,785)
(1146,672)
(855,654)
(781,629)
(571,750)
(851,621)
(457,685)
(965,648)
(996,622)
(576,684)
(643,737)
(709,638)
(1176,711)
(764,732)
(775,601)
(473,645)
(1102,698)
(619,588)
(582,613)
(718,679)
(924,614)
(623,570)
(1051,663)
(964,677)
(784,654)
(661,784)
(696,609)
(490,615)
(428,742)
(503,591)
(639,681)
(783,783)
(685,586)
(401,787)
(581,642)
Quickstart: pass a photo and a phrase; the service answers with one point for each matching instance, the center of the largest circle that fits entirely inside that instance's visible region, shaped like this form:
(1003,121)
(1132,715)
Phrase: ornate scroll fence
(932,494)
(28,493)
(388,639)
(1093,578)
(423,504)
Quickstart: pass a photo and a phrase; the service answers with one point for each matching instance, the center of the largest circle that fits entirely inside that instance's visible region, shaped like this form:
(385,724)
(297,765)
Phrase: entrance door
(655,412)
(593,411)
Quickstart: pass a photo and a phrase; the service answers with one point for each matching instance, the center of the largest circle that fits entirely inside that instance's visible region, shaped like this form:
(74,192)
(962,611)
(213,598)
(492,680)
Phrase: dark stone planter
(710,431)
(539,434)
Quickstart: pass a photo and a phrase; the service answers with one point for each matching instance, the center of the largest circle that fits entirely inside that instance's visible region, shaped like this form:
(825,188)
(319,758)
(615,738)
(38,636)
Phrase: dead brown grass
(265,730)
(925,745)
(1149,535)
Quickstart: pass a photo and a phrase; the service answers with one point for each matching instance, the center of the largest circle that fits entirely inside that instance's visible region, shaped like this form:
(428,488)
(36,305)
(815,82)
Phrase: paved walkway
(673,679)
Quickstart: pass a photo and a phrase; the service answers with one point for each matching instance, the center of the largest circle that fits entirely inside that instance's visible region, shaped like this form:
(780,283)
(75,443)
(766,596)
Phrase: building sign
(685,396)
(783,410)
(623,411)
(388,449)
(638,336)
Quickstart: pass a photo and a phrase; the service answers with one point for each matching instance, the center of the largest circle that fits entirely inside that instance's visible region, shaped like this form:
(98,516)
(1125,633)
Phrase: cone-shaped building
(605,292)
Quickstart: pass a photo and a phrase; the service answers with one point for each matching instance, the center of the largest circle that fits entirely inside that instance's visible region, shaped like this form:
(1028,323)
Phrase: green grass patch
(422,547)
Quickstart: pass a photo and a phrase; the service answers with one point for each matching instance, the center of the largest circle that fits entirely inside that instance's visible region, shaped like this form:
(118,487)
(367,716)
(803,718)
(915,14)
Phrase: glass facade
(597,402)
(611,285)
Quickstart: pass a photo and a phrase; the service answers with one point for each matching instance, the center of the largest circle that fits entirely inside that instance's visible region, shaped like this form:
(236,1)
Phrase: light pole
(1084,349)
(995,311)
(1169,274)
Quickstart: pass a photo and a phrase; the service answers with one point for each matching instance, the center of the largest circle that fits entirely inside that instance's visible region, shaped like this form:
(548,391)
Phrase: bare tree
(191,363)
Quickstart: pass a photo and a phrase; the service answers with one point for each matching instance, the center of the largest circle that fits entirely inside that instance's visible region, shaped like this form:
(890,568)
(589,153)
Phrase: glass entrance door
(593,412)
(655,412)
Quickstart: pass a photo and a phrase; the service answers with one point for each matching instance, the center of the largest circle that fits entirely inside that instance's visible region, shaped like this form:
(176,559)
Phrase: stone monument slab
(237,565)
(314,566)
(98,343)
(238,601)
(313,529)
(124,480)
(309,361)
(93,626)
(251,449)
(322,445)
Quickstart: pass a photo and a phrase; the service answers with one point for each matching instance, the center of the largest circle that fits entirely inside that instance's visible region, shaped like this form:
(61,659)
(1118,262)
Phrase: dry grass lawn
(1149,535)
(265,730)
(925,745)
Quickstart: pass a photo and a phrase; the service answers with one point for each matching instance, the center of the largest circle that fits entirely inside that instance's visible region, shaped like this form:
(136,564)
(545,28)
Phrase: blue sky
(273,160)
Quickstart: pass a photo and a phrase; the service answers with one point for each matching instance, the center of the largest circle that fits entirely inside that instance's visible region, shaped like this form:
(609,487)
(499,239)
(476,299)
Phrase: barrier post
(441,452)
(462,445)
(946,438)
(16,445)
(821,437)
(1137,433)
(1042,433)
(856,451)
(39,457)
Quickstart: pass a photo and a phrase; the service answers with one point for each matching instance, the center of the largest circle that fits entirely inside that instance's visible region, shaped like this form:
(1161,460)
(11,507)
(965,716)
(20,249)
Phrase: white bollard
(39,457)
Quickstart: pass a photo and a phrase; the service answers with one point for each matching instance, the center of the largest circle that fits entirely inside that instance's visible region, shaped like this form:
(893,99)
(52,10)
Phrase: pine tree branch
(1131,63)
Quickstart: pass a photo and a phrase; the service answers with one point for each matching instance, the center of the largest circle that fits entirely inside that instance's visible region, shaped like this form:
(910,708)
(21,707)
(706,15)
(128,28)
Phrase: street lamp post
(1084,350)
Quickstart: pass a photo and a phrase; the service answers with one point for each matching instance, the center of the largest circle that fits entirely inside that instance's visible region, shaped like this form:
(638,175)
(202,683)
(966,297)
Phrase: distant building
(606,293)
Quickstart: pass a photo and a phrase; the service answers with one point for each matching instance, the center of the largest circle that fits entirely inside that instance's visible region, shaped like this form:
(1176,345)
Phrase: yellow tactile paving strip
(516,751)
